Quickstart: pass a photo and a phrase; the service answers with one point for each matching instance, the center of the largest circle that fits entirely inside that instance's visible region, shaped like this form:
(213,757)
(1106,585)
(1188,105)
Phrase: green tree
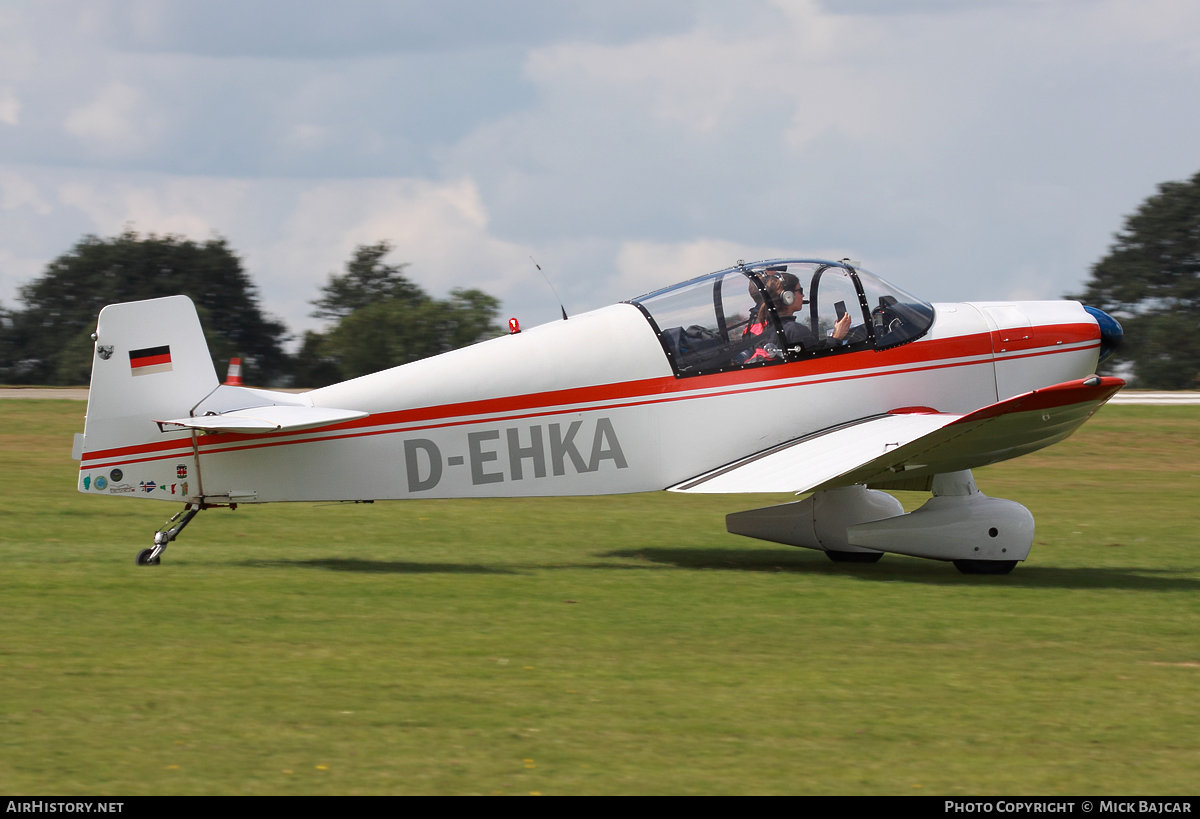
(49,340)
(8,346)
(1150,281)
(315,364)
(367,280)
(384,320)
(394,332)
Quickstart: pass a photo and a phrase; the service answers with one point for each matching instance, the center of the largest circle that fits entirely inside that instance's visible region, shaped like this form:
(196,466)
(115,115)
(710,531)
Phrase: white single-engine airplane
(790,375)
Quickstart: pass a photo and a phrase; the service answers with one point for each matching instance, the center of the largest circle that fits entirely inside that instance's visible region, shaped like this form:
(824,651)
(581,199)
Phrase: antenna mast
(555,292)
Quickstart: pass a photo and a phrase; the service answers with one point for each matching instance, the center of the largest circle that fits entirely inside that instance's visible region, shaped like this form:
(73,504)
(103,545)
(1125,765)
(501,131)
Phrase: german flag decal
(150,360)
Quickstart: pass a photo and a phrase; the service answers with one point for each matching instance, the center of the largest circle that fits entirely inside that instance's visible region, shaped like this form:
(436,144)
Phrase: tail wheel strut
(166,533)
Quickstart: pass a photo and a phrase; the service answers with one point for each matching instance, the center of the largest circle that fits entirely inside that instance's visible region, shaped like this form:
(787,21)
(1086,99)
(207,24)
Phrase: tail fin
(151,361)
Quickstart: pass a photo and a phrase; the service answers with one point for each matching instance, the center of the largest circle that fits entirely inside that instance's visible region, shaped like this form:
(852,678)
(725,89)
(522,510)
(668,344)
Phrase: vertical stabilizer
(151,361)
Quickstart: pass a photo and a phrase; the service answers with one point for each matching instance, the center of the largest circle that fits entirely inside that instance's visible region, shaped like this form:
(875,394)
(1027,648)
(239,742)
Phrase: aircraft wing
(266,419)
(904,449)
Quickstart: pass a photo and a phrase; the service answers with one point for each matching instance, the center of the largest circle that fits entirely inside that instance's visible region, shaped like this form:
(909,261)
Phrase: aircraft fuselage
(592,406)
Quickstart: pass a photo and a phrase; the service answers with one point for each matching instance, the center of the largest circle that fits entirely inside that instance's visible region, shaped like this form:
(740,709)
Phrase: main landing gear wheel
(985,566)
(144,558)
(854,557)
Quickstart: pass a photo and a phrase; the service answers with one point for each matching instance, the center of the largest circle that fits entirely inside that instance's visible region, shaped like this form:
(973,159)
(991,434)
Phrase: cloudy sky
(965,149)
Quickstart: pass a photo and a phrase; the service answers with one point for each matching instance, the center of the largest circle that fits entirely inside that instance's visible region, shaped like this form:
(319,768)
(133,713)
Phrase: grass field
(599,645)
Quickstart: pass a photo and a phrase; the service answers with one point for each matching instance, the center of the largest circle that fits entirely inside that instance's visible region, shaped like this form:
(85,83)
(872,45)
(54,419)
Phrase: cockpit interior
(772,312)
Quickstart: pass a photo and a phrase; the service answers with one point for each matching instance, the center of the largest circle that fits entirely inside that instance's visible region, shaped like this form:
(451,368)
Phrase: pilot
(789,298)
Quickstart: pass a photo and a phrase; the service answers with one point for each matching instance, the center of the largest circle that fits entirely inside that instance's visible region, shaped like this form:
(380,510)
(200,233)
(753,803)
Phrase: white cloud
(1024,294)
(694,80)
(193,208)
(961,154)
(17,190)
(967,150)
(17,53)
(112,123)
(1148,24)
(16,270)
(10,107)
(441,228)
(815,68)
(646,266)
(305,137)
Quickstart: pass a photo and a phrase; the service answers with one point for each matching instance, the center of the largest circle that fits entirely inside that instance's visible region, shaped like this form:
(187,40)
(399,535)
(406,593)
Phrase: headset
(787,297)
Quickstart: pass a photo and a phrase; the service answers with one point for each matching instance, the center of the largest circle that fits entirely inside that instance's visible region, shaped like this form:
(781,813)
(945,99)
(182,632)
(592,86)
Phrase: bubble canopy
(772,312)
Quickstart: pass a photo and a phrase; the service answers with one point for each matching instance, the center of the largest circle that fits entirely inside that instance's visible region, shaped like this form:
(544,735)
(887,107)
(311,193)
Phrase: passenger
(760,319)
(754,325)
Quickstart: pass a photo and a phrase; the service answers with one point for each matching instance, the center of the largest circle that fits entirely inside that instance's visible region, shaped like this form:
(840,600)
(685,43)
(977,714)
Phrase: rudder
(150,362)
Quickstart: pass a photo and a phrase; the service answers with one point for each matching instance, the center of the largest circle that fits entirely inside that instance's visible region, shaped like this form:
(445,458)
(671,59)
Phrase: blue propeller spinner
(1110,331)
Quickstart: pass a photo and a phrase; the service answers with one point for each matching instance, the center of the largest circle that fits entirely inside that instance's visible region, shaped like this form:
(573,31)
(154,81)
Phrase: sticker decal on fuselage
(535,451)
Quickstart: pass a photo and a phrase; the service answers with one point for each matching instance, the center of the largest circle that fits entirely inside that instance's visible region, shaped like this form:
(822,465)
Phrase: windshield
(897,317)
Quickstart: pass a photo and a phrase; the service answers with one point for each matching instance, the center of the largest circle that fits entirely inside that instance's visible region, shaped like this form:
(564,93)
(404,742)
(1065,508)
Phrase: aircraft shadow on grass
(780,560)
(912,571)
(336,564)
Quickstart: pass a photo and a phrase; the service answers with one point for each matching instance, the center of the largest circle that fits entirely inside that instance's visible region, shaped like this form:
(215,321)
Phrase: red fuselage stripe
(557,403)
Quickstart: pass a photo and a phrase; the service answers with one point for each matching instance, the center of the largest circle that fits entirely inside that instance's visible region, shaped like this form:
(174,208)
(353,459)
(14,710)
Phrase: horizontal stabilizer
(898,448)
(266,419)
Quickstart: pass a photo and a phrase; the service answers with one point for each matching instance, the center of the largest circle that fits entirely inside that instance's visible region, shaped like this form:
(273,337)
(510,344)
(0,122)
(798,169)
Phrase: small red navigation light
(233,377)
(514,326)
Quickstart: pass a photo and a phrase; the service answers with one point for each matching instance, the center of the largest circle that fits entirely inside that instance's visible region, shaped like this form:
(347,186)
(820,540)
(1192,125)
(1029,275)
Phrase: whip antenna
(555,292)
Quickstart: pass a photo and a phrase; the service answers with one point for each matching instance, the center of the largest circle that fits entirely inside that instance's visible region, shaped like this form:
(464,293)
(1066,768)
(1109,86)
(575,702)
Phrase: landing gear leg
(165,534)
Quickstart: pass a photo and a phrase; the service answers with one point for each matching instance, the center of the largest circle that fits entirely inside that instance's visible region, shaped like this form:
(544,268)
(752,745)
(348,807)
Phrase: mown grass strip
(599,645)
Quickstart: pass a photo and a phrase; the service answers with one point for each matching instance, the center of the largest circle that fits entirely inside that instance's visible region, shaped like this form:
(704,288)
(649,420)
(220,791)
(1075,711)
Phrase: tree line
(379,318)
(1149,280)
